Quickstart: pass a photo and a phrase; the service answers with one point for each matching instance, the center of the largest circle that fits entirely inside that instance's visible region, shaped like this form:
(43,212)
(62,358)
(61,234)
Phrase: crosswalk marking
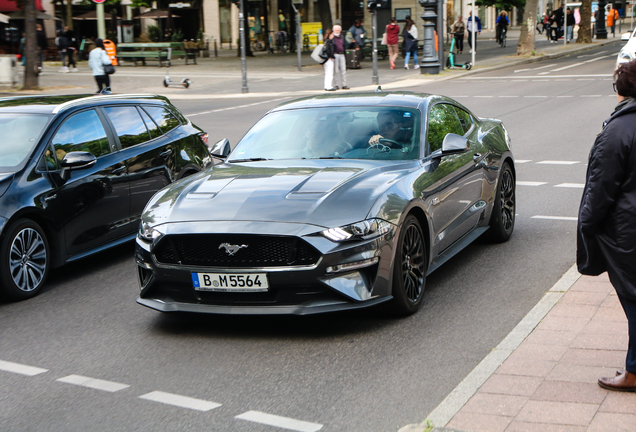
(180,401)
(557,162)
(20,368)
(561,218)
(530,183)
(571,185)
(93,383)
(278,421)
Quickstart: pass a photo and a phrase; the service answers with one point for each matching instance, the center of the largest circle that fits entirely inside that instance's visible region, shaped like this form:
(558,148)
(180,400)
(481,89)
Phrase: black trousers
(102,82)
(71,57)
(629,306)
(459,42)
(470,40)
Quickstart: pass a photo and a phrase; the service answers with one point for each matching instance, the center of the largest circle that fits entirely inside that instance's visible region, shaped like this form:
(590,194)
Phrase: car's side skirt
(456,248)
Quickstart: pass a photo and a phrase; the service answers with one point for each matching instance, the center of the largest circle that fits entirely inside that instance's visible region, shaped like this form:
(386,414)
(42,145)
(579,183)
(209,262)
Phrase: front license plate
(235,282)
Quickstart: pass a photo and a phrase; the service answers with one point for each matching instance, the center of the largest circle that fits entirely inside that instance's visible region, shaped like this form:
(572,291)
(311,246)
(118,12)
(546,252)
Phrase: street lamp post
(601,30)
(244,88)
(297,5)
(430,63)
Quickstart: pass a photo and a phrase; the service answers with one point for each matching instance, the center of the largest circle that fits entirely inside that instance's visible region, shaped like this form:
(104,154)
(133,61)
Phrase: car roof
(52,104)
(348,99)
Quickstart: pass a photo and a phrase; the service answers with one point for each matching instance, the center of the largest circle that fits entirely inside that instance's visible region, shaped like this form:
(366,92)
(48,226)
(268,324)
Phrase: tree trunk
(325,15)
(528,28)
(585,27)
(69,14)
(31,48)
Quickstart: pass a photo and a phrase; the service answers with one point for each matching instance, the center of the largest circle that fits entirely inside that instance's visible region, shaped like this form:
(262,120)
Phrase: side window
(162,117)
(128,125)
(153,129)
(442,120)
(464,119)
(48,161)
(81,132)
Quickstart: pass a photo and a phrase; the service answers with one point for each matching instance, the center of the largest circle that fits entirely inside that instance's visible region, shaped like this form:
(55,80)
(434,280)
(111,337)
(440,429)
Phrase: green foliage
(200,35)
(177,36)
(154,33)
(502,4)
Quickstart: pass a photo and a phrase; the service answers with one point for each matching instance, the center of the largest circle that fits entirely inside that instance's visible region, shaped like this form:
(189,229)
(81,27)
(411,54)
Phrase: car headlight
(624,55)
(147,233)
(365,230)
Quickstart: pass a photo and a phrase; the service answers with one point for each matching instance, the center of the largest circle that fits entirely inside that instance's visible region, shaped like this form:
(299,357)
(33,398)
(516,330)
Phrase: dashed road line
(557,162)
(590,96)
(530,183)
(20,368)
(570,185)
(93,383)
(561,218)
(278,421)
(522,161)
(180,401)
(237,107)
(542,67)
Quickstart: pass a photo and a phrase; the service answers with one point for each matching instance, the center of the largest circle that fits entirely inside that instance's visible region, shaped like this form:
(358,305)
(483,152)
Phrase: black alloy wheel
(409,269)
(25,260)
(502,220)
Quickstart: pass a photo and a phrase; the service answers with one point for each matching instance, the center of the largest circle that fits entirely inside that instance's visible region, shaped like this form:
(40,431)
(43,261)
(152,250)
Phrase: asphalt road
(343,372)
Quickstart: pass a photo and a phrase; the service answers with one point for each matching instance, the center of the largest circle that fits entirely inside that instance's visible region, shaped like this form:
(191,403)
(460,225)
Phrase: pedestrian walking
(606,232)
(97,58)
(72,49)
(546,23)
(42,44)
(340,62)
(570,23)
(476,25)
(502,25)
(392,40)
(328,51)
(62,44)
(612,17)
(459,28)
(594,19)
(22,46)
(409,35)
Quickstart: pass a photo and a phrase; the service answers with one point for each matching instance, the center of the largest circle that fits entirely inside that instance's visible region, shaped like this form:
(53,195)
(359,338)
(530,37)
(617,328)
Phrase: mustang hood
(324,193)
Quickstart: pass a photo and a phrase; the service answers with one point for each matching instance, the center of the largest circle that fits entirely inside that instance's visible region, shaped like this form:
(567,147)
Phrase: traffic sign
(99,1)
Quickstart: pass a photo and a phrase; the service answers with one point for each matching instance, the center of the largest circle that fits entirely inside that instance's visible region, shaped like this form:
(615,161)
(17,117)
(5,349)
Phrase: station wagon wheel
(25,260)
(502,220)
(409,269)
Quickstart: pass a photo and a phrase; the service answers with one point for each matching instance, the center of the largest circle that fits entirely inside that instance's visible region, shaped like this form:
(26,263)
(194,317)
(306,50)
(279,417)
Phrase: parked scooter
(167,81)
(450,61)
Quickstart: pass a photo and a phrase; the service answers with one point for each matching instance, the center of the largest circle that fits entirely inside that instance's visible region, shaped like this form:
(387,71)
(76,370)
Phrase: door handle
(165,154)
(118,170)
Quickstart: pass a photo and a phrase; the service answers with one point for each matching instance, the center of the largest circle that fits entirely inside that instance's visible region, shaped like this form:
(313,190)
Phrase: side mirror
(221,149)
(76,160)
(626,36)
(454,143)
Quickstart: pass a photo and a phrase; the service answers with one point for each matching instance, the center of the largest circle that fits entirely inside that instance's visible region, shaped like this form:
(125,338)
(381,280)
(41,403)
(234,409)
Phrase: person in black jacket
(570,22)
(606,232)
(42,44)
(62,45)
(328,51)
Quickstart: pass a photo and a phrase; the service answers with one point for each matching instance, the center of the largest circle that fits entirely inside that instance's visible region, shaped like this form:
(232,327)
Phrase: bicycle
(502,38)
(258,45)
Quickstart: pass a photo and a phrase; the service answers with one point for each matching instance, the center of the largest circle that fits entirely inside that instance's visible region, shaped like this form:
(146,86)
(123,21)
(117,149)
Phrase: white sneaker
(406,66)
(416,67)
(470,52)
(75,70)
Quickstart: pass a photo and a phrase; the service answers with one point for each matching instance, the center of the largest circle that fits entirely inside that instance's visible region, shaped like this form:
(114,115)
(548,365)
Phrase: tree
(528,27)
(31,48)
(585,26)
(501,4)
(325,15)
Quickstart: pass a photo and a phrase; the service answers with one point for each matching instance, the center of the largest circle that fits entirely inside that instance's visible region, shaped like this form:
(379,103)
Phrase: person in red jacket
(392,36)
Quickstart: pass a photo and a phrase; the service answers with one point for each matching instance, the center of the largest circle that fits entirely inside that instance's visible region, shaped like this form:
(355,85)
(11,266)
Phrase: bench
(154,51)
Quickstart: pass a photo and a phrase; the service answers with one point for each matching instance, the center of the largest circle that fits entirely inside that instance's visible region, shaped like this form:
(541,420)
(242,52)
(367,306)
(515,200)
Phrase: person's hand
(375,139)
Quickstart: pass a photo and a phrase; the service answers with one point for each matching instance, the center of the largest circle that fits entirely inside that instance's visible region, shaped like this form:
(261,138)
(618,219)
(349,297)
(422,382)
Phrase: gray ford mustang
(329,203)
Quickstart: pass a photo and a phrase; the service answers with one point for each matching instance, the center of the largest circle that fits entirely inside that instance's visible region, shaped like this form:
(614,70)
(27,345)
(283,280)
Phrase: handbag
(109,69)
(384,42)
(317,55)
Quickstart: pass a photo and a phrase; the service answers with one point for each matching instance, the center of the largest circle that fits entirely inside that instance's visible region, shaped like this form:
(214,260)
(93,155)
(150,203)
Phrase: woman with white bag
(328,53)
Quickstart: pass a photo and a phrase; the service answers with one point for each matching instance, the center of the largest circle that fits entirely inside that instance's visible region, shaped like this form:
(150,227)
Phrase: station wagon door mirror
(76,160)
(221,149)
(454,143)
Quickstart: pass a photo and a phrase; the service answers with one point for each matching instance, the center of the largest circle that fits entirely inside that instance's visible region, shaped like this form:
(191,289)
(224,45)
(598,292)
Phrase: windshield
(20,133)
(387,133)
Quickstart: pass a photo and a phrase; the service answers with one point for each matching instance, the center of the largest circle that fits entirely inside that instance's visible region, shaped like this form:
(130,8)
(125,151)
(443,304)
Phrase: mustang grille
(205,250)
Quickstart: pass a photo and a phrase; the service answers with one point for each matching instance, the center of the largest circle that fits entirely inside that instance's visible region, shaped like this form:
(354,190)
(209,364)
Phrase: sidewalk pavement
(276,75)
(543,376)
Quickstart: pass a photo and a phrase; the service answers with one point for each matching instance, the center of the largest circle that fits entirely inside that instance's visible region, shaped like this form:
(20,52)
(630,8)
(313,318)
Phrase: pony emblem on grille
(231,249)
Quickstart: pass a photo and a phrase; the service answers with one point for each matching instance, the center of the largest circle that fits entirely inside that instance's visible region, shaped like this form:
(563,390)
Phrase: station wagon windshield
(385,133)
(20,134)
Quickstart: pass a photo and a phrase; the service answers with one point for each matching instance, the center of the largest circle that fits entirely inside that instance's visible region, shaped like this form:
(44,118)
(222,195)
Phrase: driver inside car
(393,125)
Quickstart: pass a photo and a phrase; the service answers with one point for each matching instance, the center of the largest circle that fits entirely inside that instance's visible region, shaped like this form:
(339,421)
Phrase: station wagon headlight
(365,230)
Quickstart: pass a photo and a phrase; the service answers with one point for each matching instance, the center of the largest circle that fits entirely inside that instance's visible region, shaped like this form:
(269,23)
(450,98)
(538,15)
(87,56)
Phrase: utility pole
(297,5)
(375,79)
(244,88)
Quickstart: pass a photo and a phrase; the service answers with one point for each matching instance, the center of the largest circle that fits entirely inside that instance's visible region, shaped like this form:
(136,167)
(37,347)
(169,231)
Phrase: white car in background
(628,52)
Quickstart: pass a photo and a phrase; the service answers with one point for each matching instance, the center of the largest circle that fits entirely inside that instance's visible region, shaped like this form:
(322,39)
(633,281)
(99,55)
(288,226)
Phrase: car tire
(409,269)
(25,260)
(502,219)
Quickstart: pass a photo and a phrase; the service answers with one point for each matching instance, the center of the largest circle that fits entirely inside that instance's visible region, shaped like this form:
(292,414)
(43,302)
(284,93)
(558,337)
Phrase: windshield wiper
(254,159)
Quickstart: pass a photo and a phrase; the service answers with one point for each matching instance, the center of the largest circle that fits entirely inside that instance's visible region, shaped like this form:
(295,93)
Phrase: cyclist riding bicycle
(502,27)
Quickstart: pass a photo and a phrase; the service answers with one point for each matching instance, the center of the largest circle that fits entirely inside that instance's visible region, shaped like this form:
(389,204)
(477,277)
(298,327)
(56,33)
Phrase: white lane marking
(542,67)
(590,95)
(180,401)
(237,107)
(556,162)
(93,383)
(20,368)
(508,96)
(590,55)
(522,161)
(483,96)
(278,421)
(570,185)
(519,78)
(561,218)
(564,96)
(579,64)
(535,96)
(530,183)
(585,79)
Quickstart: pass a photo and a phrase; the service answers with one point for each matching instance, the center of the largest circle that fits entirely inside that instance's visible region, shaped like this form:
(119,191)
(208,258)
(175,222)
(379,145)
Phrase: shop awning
(92,15)
(12,6)
(19,15)
(4,18)
(156,13)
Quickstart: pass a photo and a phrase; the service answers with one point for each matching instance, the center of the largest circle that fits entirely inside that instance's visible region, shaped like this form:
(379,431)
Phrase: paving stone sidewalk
(549,382)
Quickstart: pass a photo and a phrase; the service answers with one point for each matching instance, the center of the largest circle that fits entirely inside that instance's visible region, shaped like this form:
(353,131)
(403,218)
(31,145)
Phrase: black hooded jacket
(606,234)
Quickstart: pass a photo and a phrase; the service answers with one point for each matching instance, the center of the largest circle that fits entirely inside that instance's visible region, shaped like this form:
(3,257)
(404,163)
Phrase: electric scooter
(450,61)
(167,81)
